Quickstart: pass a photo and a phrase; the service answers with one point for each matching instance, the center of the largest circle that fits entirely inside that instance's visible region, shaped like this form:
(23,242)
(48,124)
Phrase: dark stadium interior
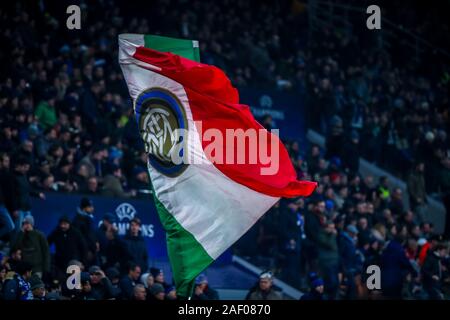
(67,126)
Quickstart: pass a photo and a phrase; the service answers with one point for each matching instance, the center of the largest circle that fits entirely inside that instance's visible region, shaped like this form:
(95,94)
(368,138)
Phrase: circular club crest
(162,122)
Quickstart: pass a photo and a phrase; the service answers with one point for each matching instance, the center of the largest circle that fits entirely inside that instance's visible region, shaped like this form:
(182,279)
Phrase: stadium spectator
(69,245)
(6,222)
(264,289)
(37,288)
(316,288)
(139,293)
(348,257)
(158,276)
(136,246)
(112,185)
(45,110)
(114,252)
(328,258)
(171,293)
(432,271)
(113,275)
(157,292)
(128,282)
(17,286)
(417,191)
(394,268)
(86,292)
(101,286)
(92,187)
(84,223)
(22,191)
(34,247)
(202,290)
(94,161)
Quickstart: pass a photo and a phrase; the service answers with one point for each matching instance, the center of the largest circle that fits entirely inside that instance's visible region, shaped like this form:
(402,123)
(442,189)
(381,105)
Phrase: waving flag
(185,111)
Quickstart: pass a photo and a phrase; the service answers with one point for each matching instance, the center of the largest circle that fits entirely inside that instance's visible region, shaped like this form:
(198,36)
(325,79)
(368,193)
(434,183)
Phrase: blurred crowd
(88,263)
(67,125)
(347,225)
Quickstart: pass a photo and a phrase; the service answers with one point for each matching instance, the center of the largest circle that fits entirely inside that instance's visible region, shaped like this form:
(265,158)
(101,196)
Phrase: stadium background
(337,91)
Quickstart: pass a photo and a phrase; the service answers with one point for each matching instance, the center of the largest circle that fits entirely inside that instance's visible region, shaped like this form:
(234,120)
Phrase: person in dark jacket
(115,252)
(6,222)
(69,244)
(202,289)
(84,223)
(264,289)
(101,285)
(158,276)
(328,259)
(157,293)
(128,282)
(394,268)
(107,223)
(22,192)
(86,292)
(37,288)
(351,153)
(316,288)
(417,192)
(18,286)
(313,224)
(432,272)
(347,251)
(136,247)
(34,247)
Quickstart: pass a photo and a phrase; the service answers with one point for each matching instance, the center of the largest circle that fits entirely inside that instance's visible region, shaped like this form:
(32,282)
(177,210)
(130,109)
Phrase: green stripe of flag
(188,258)
(186,48)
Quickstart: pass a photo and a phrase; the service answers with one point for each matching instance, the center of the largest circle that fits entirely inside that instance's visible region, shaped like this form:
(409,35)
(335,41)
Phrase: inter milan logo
(161,119)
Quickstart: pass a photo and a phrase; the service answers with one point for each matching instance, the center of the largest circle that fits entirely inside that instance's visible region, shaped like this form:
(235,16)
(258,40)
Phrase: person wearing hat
(171,293)
(158,276)
(264,290)
(140,181)
(37,288)
(94,161)
(34,247)
(69,244)
(86,292)
(101,285)
(202,289)
(316,288)
(84,223)
(157,292)
(347,242)
(113,275)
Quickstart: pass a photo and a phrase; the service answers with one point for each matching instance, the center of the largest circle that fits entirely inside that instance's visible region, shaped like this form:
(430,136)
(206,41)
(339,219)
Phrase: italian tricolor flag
(204,205)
